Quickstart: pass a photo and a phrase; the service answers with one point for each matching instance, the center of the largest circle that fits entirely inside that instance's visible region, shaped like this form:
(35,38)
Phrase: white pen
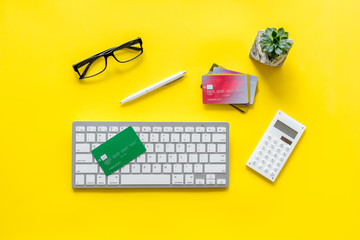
(155,86)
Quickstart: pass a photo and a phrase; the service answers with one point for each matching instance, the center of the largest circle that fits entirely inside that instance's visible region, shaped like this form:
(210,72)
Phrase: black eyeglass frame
(106,54)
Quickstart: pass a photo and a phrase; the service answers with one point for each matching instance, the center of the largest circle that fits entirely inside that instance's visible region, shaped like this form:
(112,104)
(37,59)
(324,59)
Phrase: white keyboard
(178,155)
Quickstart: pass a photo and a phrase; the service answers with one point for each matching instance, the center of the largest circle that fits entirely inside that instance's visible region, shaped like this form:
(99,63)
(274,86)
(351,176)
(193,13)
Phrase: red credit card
(225,89)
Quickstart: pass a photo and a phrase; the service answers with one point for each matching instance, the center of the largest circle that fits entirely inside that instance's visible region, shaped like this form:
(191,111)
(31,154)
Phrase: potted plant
(271,46)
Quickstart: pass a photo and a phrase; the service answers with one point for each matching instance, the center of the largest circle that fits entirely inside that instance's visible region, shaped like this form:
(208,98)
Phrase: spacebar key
(147,179)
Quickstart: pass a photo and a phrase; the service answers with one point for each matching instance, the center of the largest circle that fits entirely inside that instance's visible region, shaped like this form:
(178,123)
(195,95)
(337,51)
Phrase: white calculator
(276,146)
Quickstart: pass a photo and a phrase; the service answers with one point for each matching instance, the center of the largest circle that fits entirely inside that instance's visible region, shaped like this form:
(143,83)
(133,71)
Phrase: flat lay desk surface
(315,196)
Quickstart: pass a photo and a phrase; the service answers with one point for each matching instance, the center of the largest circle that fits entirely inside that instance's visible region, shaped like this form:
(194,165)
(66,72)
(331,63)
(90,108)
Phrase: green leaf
(266,37)
(281,31)
(270,48)
(274,34)
(278,51)
(285,35)
(268,31)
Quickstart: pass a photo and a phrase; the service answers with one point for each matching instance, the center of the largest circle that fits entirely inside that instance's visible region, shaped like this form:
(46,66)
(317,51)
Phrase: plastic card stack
(223,86)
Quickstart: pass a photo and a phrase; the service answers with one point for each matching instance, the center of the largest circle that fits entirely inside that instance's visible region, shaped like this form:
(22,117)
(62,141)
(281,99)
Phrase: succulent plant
(275,42)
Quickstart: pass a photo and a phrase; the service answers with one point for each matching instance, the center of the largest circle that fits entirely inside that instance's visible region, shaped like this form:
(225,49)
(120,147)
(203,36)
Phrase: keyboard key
(90,137)
(164,137)
(189,129)
(159,147)
(156,168)
(168,129)
(177,168)
(172,158)
(146,129)
(175,137)
(190,148)
(211,147)
(149,147)
(199,181)
(144,137)
(200,148)
(80,137)
(151,158)
(206,137)
(102,129)
(145,179)
(217,158)
(141,158)
(114,129)
(83,158)
(219,137)
(183,158)
(188,168)
(157,129)
(221,181)
(123,128)
(198,168)
(204,158)
(135,168)
(125,169)
(113,180)
(189,179)
(200,129)
(79,179)
(170,147)
(154,137)
(215,168)
(167,168)
(161,158)
(185,137)
(210,129)
(86,168)
(210,181)
(94,145)
(180,147)
(193,158)
(196,137)
(80,129)
(177,179)
(101,180)
(101,137)
(221,148)
(82,148)
(221,129)
(90,179)
(178,129)
(91,129)
(146,168)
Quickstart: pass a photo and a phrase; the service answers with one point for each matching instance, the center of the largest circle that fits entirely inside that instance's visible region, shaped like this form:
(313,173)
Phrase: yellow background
(315,196)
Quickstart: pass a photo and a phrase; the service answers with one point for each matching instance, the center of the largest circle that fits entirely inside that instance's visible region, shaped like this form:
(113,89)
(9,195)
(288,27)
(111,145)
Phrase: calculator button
(278,164)
(276,169)
(269,137)
(281,145)
(263,148)
(278,150)
(272,160)
(260,166)
(287,149)
(257,158)
(284,154)
(275,142)
(266,170)
(266,156)
(269,165)
(266,142)
(263,161)
(272,146)
(260,152)
(269,151)
(275,155)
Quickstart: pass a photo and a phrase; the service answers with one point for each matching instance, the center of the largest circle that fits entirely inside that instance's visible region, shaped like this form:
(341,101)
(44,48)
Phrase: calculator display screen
(285,129)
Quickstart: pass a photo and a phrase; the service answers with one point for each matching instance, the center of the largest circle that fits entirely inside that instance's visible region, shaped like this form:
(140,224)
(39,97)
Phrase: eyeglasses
(96,64)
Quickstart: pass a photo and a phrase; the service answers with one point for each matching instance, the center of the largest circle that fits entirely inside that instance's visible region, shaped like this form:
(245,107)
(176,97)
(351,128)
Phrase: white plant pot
(257,54)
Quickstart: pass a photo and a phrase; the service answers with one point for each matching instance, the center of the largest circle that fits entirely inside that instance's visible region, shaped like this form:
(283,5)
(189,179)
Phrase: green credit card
(118,151)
